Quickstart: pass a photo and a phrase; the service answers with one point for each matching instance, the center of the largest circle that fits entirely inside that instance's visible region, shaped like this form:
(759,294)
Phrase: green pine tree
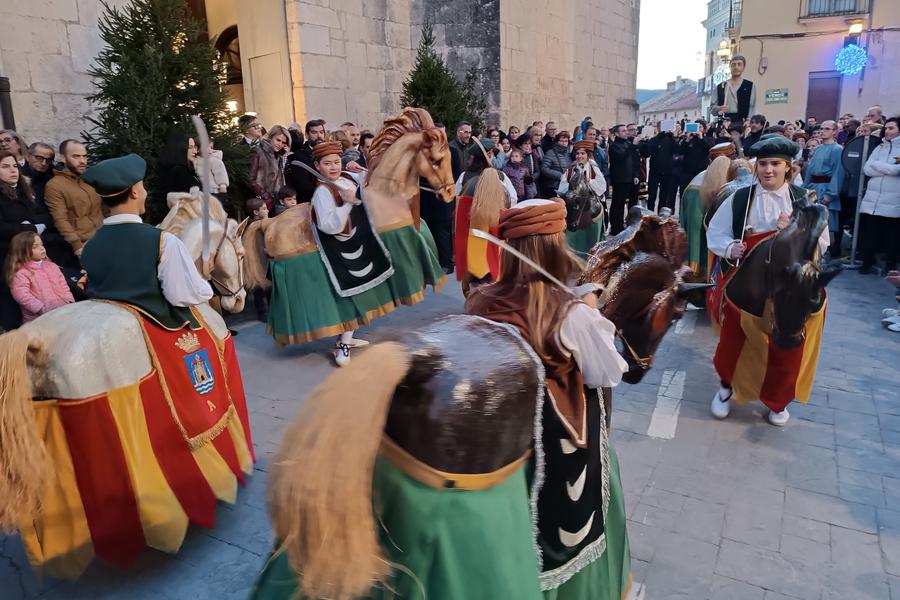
(432,86)
(158,68)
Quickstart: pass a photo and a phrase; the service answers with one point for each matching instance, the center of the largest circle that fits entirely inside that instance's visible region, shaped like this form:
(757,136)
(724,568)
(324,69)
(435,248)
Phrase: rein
(221,288)
(644,362)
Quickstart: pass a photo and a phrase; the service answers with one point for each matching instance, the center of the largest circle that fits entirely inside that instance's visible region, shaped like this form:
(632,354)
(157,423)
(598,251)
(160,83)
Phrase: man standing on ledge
(737,96)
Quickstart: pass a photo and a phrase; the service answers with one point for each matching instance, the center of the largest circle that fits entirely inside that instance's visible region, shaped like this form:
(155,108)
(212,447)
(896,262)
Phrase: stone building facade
(347,59)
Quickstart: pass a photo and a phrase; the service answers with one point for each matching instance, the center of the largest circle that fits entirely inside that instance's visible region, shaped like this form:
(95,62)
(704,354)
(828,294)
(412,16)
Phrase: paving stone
(863,495)
(770,595)
(754,518)
(804,551)
(655,517)
(725,588)
(889,537)
(851,427)
(844,584)
(866,459)
(830,509)
(851,401)
(891,491)
(768,569)
(809,529)
(855,551)
(818,474)
(643,540)
(701,520)
(681,568)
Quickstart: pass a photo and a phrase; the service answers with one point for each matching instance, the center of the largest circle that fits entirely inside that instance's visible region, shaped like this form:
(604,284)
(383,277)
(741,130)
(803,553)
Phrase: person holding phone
(694,146)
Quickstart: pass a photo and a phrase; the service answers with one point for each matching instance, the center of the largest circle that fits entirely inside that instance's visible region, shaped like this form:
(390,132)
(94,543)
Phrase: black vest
(743,98)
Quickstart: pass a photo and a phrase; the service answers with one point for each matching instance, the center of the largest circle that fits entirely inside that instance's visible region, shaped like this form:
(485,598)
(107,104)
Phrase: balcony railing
(831,8)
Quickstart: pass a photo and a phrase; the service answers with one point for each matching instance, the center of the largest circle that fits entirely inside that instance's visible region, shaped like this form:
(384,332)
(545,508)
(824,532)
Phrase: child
(284,199)
(516,170)
(257,209)
(36,283)
(218,175)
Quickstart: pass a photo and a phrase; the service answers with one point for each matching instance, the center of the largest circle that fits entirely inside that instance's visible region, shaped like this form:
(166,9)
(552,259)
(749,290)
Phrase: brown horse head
(641,272)
(413,130)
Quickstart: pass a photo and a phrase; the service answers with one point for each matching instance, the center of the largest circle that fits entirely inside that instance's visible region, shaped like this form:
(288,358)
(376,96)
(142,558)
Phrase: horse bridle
(644,362)
(221,288)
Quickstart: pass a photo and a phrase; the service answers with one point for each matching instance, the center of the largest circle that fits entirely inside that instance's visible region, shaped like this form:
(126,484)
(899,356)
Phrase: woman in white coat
(879,212)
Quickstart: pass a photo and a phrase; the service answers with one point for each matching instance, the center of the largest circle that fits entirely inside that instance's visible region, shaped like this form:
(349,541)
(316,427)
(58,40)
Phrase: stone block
(396,35)
(32,111)
(701,520)
(832,510)
(16,65)
(804,551)
(314,39)
(30,34)
(54,73)
(681,568)
(398,11)
(379,57)
(817,475)
(64,10)
(325,71)
(841,583)
(373,29)
(855,551)
(723,587)
(338,48)
(809,529)
(851,402)
(85,44)
(317,15)
(327,103)
(768,569)
(375,9)
(754,518)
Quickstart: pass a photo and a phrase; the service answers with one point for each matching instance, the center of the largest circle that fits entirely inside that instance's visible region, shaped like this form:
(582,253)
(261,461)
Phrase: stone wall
(348,58)
(567,60)
(46,49)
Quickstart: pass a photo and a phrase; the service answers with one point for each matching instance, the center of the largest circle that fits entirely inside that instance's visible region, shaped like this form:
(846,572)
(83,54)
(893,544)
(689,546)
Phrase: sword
(328,181)
(203,141)
(578,292)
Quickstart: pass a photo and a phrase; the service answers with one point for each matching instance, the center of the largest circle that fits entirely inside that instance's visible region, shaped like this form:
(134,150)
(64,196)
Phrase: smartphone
(692,127)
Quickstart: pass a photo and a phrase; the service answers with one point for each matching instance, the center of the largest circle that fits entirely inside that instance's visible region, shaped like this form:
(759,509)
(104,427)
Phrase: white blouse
(598,182)
(591,339)
(330,218)
(762,217)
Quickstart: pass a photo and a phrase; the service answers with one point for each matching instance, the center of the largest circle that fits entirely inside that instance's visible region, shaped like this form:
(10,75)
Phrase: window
(825,8)
(228,45)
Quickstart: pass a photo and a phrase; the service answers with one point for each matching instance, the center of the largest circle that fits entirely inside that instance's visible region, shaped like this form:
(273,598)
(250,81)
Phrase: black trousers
(439,217)
(879,234)
(664,185)
(622,194)
(845,220)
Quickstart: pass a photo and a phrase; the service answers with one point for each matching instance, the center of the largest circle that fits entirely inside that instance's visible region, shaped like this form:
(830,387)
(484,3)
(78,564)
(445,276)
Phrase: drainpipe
(6,109)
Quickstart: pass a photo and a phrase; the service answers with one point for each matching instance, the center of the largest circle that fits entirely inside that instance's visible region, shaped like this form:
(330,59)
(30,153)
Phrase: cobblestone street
(732,510)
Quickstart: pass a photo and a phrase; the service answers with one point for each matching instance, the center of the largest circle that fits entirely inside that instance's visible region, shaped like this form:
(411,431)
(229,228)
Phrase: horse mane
(410,120)
(184,207)
(652,236)
(634,284)
(489,201)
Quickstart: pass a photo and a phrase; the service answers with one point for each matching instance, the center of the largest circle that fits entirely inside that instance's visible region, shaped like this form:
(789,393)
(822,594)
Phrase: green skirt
(583,240)
(608,577)
(691,219)
(304,306)
(450,544)
(414,256)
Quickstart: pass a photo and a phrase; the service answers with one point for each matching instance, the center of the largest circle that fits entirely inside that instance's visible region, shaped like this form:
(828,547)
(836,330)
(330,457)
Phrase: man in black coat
(757,126)
(694,147)
(296,176)
(39,167)
(661,151)
(625,175)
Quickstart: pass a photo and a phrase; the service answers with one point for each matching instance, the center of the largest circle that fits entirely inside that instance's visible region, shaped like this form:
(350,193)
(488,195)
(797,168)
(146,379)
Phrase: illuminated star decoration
(851,59)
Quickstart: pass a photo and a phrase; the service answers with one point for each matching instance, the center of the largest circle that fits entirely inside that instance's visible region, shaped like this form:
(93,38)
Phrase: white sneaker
(888,321)
(341,354)
(894,326)
(779,419)
(721,403)
(358,343)
(889,312)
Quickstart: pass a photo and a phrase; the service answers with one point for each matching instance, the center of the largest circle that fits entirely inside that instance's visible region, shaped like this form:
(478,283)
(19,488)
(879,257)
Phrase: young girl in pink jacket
(37,284)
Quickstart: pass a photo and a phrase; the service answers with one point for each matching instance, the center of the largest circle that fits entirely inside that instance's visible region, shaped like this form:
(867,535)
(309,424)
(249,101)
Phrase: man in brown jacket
(74,204)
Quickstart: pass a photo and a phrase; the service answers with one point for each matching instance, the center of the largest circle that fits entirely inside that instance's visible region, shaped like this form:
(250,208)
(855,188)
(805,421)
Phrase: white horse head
(226,256)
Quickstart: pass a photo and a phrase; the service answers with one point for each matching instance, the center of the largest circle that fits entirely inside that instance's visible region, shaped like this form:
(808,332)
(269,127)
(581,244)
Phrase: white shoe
(889,312)
(357,343)
(888,321)
(894,326)
(721,403)
(779,419)
(341,354)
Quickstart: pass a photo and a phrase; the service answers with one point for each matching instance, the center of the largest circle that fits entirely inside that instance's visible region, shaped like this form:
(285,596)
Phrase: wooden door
(823,99)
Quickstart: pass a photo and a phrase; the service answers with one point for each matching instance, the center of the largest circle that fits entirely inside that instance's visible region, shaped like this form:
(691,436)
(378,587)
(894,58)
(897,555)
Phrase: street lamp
(856,28)
(724,51)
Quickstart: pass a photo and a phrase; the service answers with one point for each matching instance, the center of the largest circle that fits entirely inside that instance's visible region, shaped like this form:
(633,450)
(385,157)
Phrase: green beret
(488,144)
(775,146)
(114,176)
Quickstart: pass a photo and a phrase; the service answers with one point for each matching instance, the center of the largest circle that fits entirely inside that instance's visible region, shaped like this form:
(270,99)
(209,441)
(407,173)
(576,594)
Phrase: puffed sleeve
(330,219)
(181,283)
(719,235)
(590,337)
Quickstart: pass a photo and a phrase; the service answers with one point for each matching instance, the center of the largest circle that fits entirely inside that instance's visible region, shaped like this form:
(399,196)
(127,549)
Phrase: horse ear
(427,139)
(243,226)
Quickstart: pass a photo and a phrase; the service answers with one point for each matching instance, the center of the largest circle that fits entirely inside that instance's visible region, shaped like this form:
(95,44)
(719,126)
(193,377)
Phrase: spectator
(811,124)
(257,211)
(267,164)
(252,130)
(39,167)
(848,133)
(537,135)
(353,134)
(516,171)
(285,199)
(756,126)
(661,151)
(556,161)
(549,137)
(12,142)
(875,115)
(459,148)
(513,133)
(500,156)
(176,167)
(350,156)
(789,130)
(73,204)
(295,175)
(365,142)
(36,282)
(218,174)
(880,209)
(624,171)
(695,150)
(734,135)
(18,213)
(532,165)
(775,129)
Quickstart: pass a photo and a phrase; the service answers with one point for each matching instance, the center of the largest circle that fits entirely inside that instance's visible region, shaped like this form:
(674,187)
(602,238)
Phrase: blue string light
(851,59)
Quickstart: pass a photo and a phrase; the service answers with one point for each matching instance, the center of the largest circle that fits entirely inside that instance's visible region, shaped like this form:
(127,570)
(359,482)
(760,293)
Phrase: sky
(672,41)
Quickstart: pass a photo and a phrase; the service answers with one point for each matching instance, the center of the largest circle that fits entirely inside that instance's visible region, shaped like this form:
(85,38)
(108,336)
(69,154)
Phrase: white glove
(41,228)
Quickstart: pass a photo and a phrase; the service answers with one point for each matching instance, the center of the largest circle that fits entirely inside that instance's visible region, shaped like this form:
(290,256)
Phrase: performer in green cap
(135,263)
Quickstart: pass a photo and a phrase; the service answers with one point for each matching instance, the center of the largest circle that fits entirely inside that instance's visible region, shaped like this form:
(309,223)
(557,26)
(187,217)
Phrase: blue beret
(114,176)
(488,144)
(775,146)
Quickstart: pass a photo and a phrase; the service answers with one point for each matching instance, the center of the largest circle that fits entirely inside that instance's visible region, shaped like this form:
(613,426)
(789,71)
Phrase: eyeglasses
(255,126)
